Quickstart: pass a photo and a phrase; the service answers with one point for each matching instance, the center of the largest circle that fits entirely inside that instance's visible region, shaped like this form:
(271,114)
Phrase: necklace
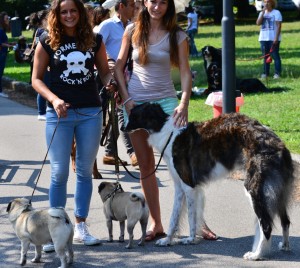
(155,35)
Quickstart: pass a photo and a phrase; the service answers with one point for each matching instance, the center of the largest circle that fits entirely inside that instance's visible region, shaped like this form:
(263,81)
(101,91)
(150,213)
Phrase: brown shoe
(110,160)
(134,161)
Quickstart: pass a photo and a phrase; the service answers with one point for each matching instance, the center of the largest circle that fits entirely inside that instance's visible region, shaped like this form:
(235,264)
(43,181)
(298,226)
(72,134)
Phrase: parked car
(283,5)
(297,3)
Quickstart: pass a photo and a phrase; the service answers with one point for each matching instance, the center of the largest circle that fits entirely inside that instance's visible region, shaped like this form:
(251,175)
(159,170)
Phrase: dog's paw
(23,260)
(284,246)
(121,239)
(36,260)
(163,242)
(188,241)
(252,256)
(142,242)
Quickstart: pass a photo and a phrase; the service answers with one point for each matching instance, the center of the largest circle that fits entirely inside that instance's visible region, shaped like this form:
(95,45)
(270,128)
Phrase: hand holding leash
(60,107)
(112,86)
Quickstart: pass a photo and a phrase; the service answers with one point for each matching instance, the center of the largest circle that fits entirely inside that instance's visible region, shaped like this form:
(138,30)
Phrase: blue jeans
(41,104)
(265,49)
(193,49)
(2,66)
(87,131)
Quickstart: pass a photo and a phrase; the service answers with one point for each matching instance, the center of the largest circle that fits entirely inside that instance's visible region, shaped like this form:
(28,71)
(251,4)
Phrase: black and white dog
(202,152)
(212,58)
(247,85)
(211,54)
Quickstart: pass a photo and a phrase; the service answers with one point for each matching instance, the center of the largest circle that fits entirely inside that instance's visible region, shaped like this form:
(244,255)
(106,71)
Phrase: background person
(41,24)
(270,20)
(112,31)
(4,46)
(73,97)
(100,14)
(192,30)
(19,49)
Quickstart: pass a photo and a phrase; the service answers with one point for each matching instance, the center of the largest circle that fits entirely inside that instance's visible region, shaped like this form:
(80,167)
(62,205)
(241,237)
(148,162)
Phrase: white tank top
(153,81)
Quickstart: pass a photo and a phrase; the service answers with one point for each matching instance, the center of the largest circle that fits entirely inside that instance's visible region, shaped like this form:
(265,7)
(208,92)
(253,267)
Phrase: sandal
(150,236)
(208,234)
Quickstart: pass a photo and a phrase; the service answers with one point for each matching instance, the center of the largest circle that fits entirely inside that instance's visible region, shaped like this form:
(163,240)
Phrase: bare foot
(208,234)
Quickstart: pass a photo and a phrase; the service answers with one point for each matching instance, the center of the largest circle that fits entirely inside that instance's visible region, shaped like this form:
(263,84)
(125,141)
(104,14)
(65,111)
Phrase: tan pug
(40,227)
(119,206)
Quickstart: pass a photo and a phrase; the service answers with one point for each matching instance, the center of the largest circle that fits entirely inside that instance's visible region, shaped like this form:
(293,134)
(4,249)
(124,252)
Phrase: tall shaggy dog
(205,151)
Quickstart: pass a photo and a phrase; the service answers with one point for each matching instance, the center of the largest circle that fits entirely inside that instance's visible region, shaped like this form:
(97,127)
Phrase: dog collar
(118,187)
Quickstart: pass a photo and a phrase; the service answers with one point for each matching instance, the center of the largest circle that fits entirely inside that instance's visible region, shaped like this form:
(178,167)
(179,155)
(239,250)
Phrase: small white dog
(119,206)
(39,227)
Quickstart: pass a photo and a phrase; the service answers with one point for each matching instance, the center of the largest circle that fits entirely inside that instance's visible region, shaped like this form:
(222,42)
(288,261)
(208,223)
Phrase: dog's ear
(148,116)
(101,187)
(8,206)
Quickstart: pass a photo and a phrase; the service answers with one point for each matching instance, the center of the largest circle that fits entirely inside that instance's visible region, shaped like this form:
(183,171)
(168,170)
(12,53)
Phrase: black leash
(44,160)
(116,189)
(114,124)
(161,156)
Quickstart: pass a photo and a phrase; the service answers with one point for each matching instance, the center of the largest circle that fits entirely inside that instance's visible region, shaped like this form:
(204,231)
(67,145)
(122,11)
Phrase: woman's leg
(2,66)
(41,104)
(265,49)
(277,59)
(59,154)
(87,135)
(145,157)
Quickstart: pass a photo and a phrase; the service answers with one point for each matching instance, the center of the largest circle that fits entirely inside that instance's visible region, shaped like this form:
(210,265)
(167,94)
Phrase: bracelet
(184,102)
(129,99)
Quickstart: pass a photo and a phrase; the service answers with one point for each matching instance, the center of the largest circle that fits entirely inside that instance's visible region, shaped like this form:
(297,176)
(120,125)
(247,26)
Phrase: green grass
(279,111)
(20,72)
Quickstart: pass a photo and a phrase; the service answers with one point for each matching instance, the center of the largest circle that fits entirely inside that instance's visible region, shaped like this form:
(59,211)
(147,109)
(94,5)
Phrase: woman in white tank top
(158,44)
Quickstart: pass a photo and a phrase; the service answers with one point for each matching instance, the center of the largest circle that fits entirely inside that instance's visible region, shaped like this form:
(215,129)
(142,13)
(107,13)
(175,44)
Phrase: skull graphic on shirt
(75,62)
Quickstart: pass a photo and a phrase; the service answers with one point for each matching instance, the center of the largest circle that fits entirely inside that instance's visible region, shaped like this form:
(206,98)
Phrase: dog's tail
(59,213)
(138,197)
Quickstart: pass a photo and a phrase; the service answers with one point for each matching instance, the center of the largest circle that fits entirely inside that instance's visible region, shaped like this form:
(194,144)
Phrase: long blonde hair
(140,36)
(84,33)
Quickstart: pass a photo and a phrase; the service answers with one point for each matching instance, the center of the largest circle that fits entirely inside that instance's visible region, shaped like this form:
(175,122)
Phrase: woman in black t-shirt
(71,50)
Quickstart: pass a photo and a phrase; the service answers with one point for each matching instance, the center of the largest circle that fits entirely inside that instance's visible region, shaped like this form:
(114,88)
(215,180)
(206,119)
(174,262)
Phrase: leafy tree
(22,8)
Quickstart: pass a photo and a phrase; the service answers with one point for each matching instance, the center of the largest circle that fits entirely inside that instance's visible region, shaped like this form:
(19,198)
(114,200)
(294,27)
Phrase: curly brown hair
(140,36)
(84,32)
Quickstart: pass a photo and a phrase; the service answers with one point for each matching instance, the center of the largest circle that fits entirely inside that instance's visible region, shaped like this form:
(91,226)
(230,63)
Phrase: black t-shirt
(72,72)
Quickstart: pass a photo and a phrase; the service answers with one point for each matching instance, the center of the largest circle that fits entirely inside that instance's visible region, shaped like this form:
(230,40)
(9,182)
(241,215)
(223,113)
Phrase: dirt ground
(22,98)
(30,101)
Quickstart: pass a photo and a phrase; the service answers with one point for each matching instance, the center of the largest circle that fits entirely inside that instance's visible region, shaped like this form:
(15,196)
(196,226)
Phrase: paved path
(22,149)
